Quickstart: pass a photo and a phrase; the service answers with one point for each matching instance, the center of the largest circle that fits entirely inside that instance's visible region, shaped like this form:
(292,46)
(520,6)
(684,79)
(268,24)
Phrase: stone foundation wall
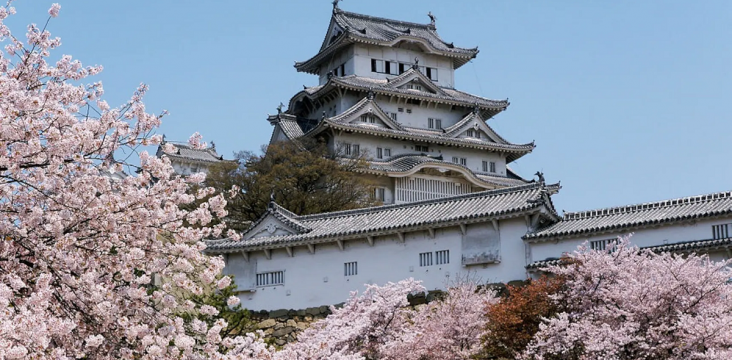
(282,326)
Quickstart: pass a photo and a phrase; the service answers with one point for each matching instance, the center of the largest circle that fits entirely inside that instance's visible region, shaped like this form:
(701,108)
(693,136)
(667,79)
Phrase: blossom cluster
(80,242)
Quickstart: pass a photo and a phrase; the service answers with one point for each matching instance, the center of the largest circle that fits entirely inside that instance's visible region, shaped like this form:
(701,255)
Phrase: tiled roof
(282,214)
(386,219)
(405,163)
(358,28)
(386,87)
(685,246)
(187,152)
(692,245)
(343,122)
(390,87)
(631,216)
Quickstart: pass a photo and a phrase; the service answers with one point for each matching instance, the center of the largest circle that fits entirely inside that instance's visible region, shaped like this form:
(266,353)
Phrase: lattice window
(379,153)
(350,268)
(347,149)
(425,259)
(601,245)
(379,194)
(442,257)
(721,231)
(416,189)
(271,278)
(492,167)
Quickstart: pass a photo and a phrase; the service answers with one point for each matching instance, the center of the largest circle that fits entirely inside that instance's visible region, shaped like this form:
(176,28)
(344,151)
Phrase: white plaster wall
(318,279)
(362,55)
(474,157)
(669,234)
(420,114)
(343,57)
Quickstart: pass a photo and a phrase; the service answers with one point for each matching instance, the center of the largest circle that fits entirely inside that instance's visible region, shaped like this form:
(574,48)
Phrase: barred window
(601,245)
(493,167)
(721,231)
(379,153)
(350,268)
(387,152)
(271,278)
(425,259)
(442,257)
(485,166)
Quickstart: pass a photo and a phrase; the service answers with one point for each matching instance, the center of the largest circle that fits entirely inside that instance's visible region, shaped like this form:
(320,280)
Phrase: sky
(628,101)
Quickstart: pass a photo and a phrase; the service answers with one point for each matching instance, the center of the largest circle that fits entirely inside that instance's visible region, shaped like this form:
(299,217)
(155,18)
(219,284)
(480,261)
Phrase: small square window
(350,268)
(409,111)
(425,259)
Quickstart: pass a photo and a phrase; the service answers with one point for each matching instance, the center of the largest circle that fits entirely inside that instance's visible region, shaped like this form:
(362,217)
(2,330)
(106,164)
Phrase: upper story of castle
(378,48)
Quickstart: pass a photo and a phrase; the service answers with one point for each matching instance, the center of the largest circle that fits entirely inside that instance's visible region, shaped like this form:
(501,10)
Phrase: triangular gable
(270,225)
(414,76)
(334,30)
(476,123)
(367,107)
(276,221)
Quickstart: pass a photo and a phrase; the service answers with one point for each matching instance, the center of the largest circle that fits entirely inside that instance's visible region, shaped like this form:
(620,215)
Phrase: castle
(453,205)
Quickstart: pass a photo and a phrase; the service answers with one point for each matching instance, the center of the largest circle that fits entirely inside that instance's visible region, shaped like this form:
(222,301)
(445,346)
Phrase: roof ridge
(646,206)
(494,192)
(371,17)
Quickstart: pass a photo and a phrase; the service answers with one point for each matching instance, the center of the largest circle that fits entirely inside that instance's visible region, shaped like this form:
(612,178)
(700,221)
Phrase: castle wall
(315,279)
(668,234)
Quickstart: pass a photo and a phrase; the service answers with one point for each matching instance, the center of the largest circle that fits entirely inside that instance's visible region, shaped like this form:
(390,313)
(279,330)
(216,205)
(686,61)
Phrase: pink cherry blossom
(53,11)
(79,249)
(626,303)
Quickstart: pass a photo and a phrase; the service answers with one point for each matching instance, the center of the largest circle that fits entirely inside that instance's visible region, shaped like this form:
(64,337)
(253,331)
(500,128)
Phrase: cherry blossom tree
(359,329)
(80,243)
(626,303)
(447,328)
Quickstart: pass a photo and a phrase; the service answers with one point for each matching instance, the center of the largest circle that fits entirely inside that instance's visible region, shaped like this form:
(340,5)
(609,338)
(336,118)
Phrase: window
(347,149)
(485,166)
(377,66)
(421,148)
(431,123)
(455,159)
(271,278)
(365,117)
(379,194)
(343,69)
(425,259)
(350,268)
(432,73)
(402,67)
(470,133)
(387,152)
(400,109)
(721,231)
(414,87)
(438,123)
(601,245)
(393,116)
(492,166)
(379,153)
(463,161)
(391,68)
(356,149)
(409,111)
(442,257)
(372,119)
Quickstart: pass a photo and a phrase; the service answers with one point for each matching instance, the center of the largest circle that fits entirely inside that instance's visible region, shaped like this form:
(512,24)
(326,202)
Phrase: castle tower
(386,92)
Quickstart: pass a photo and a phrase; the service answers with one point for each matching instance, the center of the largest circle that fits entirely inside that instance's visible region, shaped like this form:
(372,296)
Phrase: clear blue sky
(628,101)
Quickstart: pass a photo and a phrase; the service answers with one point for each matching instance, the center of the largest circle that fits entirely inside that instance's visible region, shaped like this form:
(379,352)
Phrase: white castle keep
(453,205)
